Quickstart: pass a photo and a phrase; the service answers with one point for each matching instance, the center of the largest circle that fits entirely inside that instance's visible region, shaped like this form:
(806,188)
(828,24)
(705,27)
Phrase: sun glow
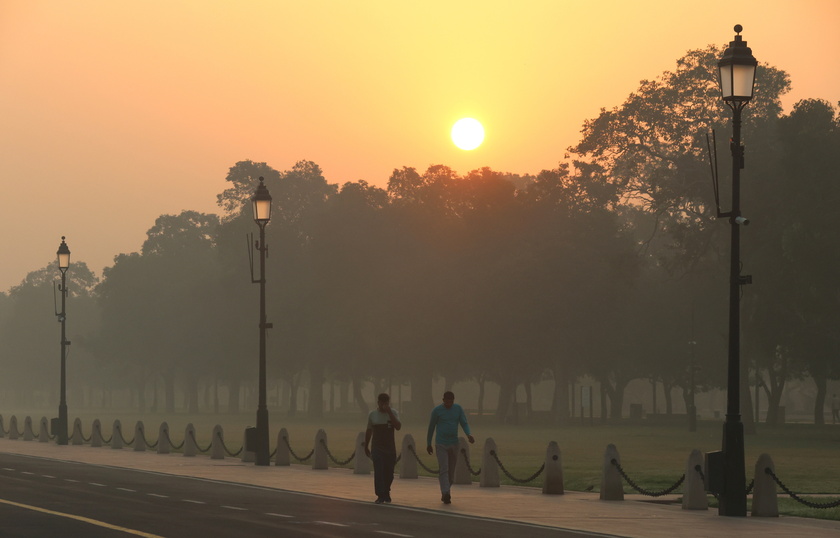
(467,133)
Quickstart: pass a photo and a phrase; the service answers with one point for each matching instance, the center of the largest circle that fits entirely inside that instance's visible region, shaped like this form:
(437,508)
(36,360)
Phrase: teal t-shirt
(446,421)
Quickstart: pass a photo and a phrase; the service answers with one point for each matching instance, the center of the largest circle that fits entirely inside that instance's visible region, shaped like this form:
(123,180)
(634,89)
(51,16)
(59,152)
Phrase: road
(46,498)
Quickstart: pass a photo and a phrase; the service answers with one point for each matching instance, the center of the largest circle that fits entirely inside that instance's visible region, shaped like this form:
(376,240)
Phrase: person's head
(382,400)
(448,399)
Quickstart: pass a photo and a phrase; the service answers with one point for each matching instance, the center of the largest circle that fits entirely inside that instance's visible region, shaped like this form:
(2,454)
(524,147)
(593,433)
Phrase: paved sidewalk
(635,517)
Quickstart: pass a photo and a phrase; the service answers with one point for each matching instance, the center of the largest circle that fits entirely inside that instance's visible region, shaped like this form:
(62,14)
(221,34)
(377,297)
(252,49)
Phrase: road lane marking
(395,534)
(128,490)
(192,501)
(8,469)
(233,507)
(70,480)
(26,472)
(158,495)
(97,484)
(331,523)
(277,515)
(82,519)
(47,476)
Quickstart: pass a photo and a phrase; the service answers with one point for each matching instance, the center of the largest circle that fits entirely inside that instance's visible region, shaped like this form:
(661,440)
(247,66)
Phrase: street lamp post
(737,78)
(261,201)
(63,265)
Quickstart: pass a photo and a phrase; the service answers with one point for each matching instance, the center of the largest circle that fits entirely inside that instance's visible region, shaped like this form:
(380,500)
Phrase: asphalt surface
(528,507)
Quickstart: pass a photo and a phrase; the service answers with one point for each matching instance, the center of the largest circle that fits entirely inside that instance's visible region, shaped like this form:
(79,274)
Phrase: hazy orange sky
(115,111)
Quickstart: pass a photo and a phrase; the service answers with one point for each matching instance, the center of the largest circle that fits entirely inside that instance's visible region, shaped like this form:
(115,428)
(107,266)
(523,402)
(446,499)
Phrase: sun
(467,133)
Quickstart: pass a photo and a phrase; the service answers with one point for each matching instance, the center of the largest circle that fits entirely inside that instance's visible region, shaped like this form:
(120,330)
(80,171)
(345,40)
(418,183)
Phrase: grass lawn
(807,457)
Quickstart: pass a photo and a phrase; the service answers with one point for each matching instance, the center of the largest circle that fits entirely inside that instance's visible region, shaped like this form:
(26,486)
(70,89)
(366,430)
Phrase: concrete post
(76,438)
(462,472)
(139,437)
(361,463)
(408,463)
(164,444)
(190,446)
(217,444)
(282,458)
(13,431)
(612,487)
(694,489)
(116,435)
(764,502)
(553,471)
(44,431)
(248,456)
(319,458)
(489,477)
(96,434)
(28,434)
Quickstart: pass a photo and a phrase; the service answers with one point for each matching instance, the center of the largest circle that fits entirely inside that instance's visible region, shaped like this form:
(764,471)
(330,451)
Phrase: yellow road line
(80,518)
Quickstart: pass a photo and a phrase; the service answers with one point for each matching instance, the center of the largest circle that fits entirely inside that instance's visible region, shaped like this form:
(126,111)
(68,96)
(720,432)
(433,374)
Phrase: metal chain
(517,480)
(119,430)
(750,487)
(699,470)
(292,452)
(192,434)
(644,491)
(423,465)
(339,463)
(796,497)
(467,460)
(229,453)
(169,439)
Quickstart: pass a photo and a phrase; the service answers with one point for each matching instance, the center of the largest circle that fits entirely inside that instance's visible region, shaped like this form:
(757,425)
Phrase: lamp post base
(261,455)
(733,501)
(61,435)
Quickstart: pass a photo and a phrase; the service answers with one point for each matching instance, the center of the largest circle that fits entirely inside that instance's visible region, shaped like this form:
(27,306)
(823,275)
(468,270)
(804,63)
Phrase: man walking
(382,422)
(444,421)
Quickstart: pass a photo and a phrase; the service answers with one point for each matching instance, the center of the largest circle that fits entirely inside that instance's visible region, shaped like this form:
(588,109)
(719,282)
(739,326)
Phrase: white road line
(97,484)
(8,469)
(277,515)
(395,534)
(234,507)
(192,501)
(158,495)
(128,490)
(70,480)
(26,472)
(47,476)
(331,523)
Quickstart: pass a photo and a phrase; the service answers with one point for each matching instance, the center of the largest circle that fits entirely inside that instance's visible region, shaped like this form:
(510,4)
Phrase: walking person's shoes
(447,498)
(387,498)
(379,500)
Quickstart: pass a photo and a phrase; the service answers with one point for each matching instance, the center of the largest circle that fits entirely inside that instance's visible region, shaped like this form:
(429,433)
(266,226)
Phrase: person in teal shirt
(444,422)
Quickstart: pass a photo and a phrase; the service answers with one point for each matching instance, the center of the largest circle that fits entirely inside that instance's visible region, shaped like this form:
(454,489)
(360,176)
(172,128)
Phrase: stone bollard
(553,471)
(13,431)
(77,438)
(139,437)
(96,434)
(319,458)
(408,462)
(489,466)
(248,456)
(28,434)
(44,431)
(612,487)
(764,501)
(116,435)
(362,462)
(217,444)
(190,445)
(694,489)
(462,471)
(283,457)
(164,442)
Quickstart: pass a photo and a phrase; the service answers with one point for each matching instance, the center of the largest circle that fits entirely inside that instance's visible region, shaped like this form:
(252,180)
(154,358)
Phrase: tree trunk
(669,402)
(233,396)
(421,393)
(819,403)
(357,396)
(169,390)
(506,391)
(316,391)
(481,379)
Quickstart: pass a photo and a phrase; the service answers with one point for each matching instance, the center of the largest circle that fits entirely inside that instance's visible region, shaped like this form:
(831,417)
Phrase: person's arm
(368,435)
(432,423)
(395,419)
(466,426)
